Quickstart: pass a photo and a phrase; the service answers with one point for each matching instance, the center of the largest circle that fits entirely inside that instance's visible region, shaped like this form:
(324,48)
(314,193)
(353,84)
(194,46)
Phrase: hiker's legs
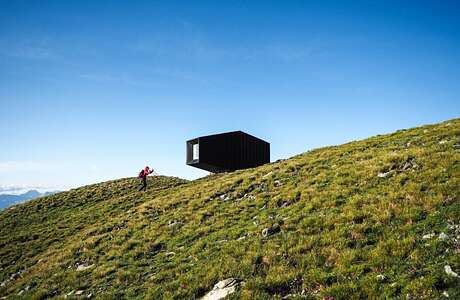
(144,183)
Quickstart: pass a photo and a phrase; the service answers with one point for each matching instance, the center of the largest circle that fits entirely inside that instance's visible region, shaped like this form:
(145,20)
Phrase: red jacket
(145,172)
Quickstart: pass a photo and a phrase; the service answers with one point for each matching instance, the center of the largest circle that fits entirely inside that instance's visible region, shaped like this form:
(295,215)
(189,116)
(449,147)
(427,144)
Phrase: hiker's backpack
(141,173)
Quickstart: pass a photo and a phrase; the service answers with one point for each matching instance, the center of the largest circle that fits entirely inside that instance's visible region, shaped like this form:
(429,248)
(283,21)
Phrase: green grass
(336,226)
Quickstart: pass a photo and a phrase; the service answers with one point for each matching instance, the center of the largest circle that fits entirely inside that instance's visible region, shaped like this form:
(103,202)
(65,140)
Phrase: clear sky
(95,90)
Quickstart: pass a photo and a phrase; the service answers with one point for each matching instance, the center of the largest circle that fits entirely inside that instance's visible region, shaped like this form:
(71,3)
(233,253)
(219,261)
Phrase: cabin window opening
(196,151)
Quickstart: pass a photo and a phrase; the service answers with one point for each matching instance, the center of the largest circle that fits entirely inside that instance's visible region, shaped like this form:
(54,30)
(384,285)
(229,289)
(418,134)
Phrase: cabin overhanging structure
(227,152)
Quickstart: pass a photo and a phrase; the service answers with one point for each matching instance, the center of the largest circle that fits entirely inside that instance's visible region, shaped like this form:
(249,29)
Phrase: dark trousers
(144,183)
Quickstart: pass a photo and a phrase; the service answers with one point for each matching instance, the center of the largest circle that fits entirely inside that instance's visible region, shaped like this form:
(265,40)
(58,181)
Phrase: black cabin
(226,152)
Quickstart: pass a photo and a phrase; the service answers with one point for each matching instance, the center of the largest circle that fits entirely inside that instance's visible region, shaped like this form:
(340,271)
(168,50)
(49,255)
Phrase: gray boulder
(449,271)
(270,230)
(222,289)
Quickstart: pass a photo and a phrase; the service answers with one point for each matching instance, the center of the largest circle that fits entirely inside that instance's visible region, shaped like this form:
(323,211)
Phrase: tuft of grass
(333,226)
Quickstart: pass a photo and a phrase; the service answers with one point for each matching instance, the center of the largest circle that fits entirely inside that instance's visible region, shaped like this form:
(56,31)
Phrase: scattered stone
(263,188)
(443,236)
(286,203)
(173,223)
(222,289)
(13,277)
(53,293)
(242,238)
(84,266)
(425,131)
(89,295)
(79,292)
(268,174)
(409,164)
(449,271)
(445,294)
(118,227)
(69,294)
(442,142)
(383,174)
(224,197)
(428,236)
(277,183)
(449,200)
(296,296)
(270,231)
(283,203)
(170,253)
(265,232)
(453,227)
(380,277)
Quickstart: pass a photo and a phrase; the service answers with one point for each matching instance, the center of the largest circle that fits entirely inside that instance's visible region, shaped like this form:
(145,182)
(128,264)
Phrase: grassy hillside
(378,218)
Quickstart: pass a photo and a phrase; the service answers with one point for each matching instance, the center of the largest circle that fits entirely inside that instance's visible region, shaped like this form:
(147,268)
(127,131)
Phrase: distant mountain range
(8,200)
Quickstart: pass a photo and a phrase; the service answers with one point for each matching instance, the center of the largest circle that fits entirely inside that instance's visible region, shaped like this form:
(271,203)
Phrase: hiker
(143,177)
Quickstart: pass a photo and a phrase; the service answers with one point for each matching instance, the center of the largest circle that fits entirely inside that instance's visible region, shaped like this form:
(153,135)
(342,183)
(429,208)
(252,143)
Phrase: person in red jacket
(143,177)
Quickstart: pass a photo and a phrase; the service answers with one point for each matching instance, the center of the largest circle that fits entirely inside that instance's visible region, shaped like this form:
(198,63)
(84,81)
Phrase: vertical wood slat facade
(228,151)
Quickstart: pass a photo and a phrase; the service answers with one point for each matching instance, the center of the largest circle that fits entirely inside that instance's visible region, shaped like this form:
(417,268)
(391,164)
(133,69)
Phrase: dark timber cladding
(228,151)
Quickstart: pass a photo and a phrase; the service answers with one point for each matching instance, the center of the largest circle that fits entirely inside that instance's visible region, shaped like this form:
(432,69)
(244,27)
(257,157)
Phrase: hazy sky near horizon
(95,90)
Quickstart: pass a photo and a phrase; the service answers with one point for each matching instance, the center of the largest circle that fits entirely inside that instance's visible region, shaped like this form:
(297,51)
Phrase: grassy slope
(340,227)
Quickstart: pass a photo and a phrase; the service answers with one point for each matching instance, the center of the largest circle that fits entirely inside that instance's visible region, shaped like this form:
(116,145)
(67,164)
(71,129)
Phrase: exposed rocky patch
(222,289)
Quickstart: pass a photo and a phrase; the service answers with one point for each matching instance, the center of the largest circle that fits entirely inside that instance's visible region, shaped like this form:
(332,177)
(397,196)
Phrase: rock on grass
(222,289)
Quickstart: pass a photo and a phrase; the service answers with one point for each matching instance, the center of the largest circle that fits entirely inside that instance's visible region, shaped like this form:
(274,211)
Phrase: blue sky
(95,90)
